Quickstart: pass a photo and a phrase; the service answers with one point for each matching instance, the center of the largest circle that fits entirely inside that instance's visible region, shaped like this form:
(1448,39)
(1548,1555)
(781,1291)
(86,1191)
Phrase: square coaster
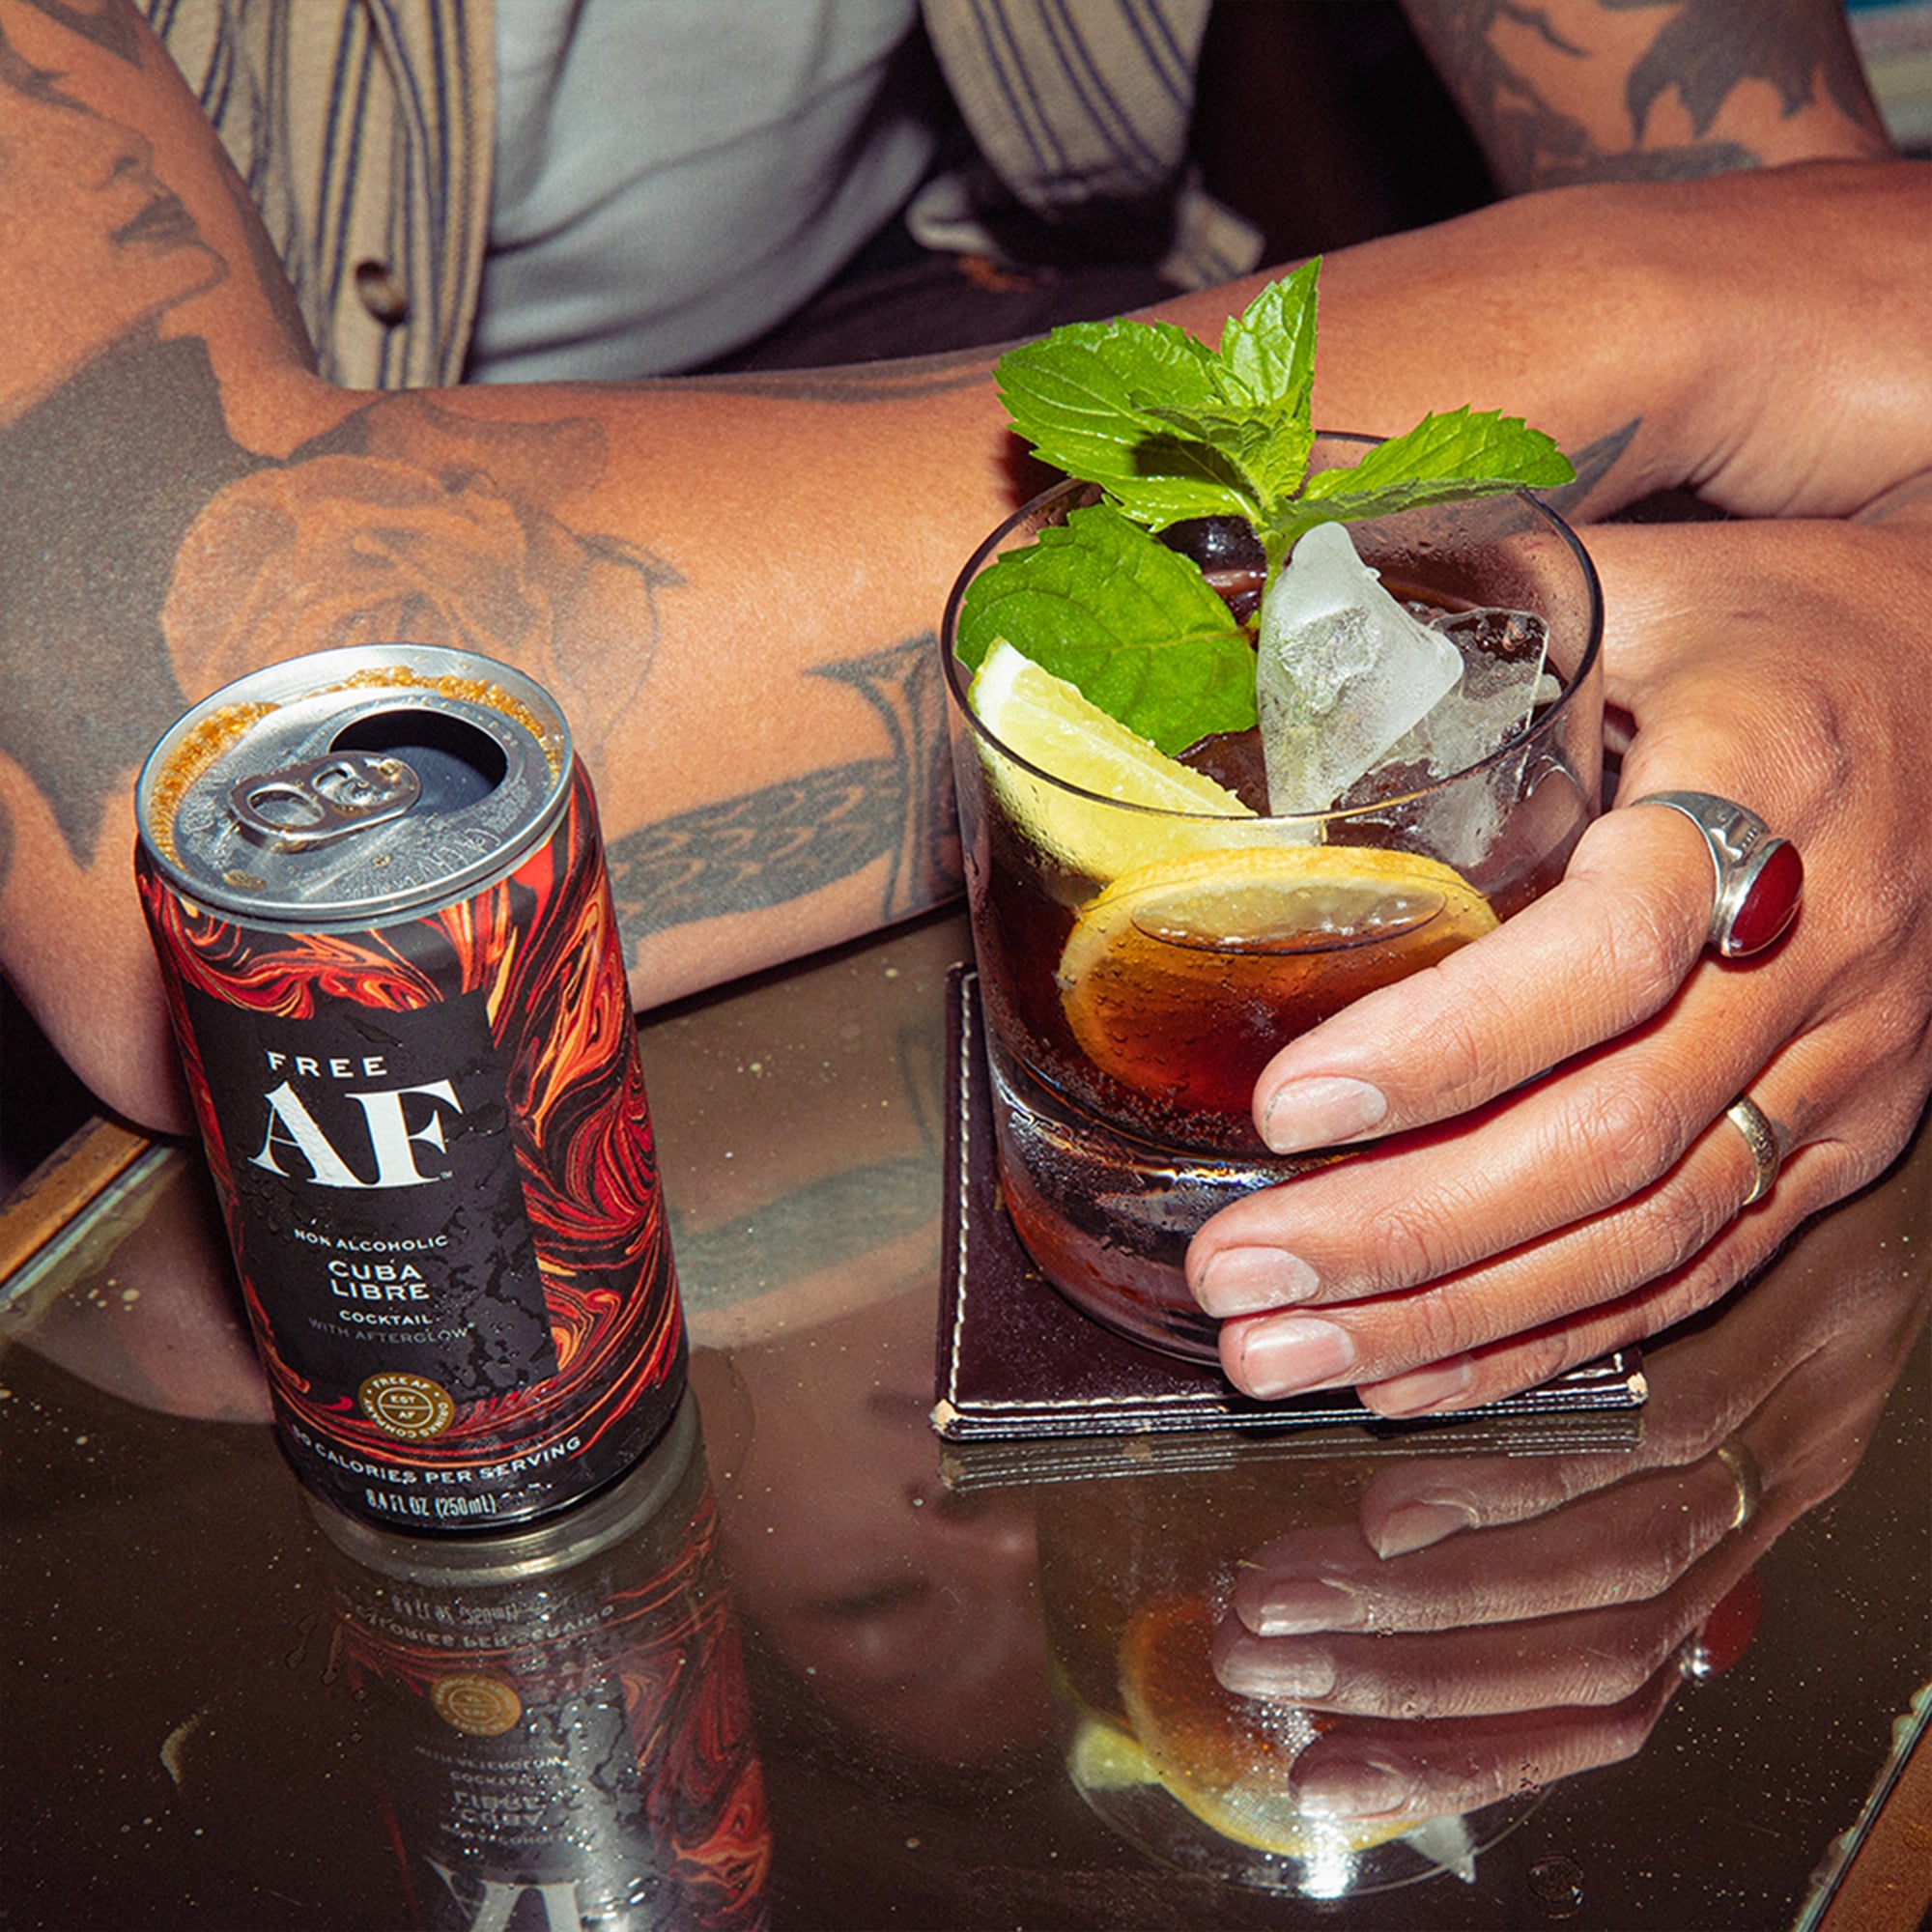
(1016,1361)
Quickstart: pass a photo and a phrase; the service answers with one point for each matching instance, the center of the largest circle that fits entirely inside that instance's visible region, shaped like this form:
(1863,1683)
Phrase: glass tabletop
(808,1667)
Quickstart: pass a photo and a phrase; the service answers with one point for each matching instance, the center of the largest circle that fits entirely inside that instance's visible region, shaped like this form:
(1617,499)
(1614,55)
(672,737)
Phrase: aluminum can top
(353,784)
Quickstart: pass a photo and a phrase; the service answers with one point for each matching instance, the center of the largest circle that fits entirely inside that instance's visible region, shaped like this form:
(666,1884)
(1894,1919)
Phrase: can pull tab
(324,799)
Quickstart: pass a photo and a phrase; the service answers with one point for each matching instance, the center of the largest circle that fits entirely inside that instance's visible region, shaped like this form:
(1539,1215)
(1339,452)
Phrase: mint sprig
(1172,430)
(1131,622)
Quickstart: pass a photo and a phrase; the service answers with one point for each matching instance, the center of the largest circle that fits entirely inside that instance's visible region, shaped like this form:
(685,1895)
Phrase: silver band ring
(1760,879)
(1743,1467)
(1761,1137)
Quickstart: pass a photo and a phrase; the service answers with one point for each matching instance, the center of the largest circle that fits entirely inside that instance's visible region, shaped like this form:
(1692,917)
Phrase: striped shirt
(362,130)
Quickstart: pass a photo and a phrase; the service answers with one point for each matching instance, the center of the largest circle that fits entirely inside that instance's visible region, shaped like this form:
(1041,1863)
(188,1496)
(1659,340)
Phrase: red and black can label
(560,1719)
(427,1125)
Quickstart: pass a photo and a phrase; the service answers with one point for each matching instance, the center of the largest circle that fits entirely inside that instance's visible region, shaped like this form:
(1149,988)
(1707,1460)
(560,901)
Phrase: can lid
(348,783)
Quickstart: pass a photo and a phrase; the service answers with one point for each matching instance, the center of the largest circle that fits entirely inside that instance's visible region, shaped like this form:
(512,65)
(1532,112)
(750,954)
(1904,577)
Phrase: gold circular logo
(481,1707)
(411,1406)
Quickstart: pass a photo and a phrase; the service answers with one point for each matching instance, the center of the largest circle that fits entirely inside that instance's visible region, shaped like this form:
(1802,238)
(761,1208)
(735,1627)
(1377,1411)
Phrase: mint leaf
(1172,430)
(1444,459)
(1267,362)
(1134,626)
(1075,396)
(1169,428)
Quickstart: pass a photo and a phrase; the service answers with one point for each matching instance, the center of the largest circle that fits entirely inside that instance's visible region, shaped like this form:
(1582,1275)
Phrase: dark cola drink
(559,1717)
(377,894)
(1140,965)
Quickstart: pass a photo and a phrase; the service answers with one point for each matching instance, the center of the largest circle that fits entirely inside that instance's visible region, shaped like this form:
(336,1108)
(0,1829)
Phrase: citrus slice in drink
(1226,1758)
(1183,977)
(1051,724)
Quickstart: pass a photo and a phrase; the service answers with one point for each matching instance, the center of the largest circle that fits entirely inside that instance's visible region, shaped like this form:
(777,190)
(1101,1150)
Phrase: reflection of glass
(1137,1574)
(1140,967)
(561,1714)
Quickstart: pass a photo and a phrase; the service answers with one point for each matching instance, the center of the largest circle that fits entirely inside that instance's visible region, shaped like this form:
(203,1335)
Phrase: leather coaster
(1016,1361)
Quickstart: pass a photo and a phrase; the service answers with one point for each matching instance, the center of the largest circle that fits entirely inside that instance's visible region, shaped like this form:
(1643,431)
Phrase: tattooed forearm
(1706,49)
(106,26)
(1572,90)
(894,381)
(768,847)
(86,684)
(905,688)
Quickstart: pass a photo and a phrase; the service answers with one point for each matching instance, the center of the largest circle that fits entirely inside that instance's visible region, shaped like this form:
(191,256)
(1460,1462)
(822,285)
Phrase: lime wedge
(1051,724)
(1227,1759)
(1105,1758)
(1182,978)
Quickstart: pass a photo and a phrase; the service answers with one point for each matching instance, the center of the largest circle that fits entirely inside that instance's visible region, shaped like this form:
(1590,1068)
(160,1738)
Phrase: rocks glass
(1138,968)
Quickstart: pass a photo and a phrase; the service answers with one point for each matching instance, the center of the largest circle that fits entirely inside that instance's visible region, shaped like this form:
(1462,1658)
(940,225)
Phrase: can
(377,891)
(558,1717)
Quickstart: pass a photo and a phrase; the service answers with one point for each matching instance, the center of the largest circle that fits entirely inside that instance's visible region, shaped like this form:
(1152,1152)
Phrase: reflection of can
(377,890)
(560,1716)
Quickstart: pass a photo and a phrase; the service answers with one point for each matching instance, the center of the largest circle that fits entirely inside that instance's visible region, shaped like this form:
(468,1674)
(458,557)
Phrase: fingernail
(1416,1526)
(1278,1357)
(1318,1113)
(1244,1281)
(1342,1786)
(1259,1670)
(1424,1389)
(1292,1606)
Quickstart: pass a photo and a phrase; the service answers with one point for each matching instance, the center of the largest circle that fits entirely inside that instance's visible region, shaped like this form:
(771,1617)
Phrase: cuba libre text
(419,1097)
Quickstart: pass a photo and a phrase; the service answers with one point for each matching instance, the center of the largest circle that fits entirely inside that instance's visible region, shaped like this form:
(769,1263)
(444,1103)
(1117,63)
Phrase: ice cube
(1502,681)
(1343,672)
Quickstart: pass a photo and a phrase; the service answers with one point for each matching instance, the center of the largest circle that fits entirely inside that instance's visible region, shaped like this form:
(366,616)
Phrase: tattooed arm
(1565,91)
(732,586)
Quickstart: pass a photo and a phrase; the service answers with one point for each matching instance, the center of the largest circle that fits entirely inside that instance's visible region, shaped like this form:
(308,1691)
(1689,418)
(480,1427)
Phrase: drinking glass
(1137,1573)
(1138,968)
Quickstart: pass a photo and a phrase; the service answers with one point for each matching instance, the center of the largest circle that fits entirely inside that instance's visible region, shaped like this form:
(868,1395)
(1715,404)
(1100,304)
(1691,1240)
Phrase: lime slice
(1182,979)
(1050,724)
(1227,1759)
(1105,1758)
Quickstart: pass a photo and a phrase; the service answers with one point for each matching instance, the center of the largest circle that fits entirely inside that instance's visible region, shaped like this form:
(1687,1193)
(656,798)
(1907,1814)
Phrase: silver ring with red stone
(1760,879)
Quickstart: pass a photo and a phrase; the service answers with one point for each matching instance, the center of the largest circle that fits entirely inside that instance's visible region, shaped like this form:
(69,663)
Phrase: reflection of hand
(1778,664)
(1550,1644)
(1535,1607)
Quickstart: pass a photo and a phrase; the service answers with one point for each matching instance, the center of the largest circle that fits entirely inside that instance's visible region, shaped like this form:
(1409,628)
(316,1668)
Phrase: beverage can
(377,891)
(559,1719)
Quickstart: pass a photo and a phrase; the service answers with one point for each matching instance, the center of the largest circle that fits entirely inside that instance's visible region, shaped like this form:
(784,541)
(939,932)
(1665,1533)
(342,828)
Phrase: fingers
(1419,1501)
(1465,1265)
(1609,1550)
(1519,1321)
(1571,1294)
(1605,951)
(1389,1319)
(1416,1503)
(1580,1608)
(1569,1149)
(1393,1770)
